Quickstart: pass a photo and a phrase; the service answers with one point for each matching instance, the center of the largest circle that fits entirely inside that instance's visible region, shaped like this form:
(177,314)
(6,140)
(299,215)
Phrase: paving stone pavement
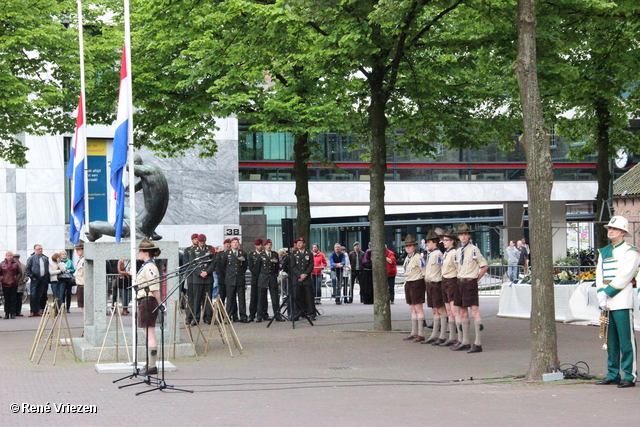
(338,372)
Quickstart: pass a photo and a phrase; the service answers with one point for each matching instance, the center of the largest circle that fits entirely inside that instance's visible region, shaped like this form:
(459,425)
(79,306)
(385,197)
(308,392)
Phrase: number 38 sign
(231,231)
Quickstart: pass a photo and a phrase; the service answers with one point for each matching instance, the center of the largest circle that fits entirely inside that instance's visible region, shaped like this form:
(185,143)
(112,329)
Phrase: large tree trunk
(378,124)
(603,116)
(301,171)
(539,176)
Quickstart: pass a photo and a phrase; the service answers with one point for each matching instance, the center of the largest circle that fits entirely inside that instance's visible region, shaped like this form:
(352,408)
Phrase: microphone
(208,255)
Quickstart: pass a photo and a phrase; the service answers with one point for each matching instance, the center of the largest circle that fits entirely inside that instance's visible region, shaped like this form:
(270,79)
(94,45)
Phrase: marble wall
(33,198)
(203,193)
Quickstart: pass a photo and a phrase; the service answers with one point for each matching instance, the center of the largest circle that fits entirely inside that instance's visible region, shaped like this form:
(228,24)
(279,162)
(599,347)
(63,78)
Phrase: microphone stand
(186,269)
(288,302)
(136,371)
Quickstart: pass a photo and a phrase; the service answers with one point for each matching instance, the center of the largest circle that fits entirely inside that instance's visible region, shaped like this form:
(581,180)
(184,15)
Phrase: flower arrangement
(588,275)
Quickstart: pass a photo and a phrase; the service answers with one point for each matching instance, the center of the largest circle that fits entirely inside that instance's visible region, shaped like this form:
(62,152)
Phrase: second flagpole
(132,178)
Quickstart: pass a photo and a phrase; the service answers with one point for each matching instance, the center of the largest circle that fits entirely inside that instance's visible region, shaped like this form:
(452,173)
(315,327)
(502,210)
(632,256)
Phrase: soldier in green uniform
(220,262)
(253,264)
(268,282)
(187,258)
(234,269)
(202,281)
(301,268)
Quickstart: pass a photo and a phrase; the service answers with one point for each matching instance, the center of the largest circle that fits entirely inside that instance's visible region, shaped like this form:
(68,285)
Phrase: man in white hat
(617,265)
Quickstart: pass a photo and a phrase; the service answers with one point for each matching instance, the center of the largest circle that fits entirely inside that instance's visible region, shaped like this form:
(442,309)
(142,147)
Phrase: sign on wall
(97,177)
(231,231)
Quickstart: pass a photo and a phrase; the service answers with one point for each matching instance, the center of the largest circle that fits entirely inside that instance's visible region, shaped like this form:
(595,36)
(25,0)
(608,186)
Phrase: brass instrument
(604,326)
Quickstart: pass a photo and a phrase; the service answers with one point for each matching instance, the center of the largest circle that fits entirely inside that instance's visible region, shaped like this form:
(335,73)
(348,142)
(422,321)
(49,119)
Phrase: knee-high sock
(414,326)
(478,326)
(443,326)
(465,331)
(460,332)
(421,326)
(153,355)
(453,331)
(436,327)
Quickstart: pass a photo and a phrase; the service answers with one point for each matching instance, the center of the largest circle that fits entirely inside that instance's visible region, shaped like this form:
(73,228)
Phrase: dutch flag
(75,172)
(120,148)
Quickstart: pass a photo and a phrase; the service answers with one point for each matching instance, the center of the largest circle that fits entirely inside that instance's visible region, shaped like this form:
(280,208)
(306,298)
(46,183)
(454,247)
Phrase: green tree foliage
(253,59)
(597,87)
(413,66)
(38,71)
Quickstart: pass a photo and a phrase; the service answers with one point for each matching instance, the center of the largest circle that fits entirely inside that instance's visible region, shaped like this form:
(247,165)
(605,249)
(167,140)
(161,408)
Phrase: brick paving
(338,372)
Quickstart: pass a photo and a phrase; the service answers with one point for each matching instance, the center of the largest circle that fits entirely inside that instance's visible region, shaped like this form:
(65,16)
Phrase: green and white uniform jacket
(617,266)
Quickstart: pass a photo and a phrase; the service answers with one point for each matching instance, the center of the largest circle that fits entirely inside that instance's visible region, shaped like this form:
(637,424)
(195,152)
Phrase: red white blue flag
(120,149)
(75,172)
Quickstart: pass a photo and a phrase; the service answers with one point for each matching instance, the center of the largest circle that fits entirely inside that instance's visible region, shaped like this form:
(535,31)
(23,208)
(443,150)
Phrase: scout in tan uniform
(433,281)
(449,284)
(471,267)
(79,274)
(414,288)
(148,282)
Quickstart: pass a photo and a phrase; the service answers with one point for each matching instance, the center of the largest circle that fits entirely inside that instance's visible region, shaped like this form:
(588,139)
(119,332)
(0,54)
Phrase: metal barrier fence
(117,291)
(328,284)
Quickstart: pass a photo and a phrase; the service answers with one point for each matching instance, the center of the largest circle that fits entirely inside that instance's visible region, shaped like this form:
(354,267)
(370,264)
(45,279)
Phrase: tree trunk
(603,116)
(301,171)
(539,176)
(378,125)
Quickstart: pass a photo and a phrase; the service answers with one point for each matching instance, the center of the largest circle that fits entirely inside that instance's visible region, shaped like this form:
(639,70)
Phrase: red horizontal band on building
(289,165)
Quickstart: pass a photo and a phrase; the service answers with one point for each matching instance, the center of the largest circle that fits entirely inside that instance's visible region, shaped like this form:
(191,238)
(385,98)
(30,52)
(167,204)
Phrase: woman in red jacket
(319,263)
(392,271)
(10,275)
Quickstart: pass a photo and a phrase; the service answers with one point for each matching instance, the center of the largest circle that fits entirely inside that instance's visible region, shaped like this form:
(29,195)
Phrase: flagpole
(84,116)
(132,177)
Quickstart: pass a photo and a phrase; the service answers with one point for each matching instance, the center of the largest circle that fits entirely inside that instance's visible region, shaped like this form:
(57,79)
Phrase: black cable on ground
(579,371)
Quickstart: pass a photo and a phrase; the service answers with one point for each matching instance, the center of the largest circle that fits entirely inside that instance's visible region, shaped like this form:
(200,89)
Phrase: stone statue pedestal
(96,305)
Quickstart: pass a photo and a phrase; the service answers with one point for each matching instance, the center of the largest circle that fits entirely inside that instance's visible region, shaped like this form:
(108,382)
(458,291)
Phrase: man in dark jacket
(186,259)
(301,268)
(253,264)
(234,269)
(202,281)
(220,262)
(268,282)
(337,261)
(355,259)
(38,272)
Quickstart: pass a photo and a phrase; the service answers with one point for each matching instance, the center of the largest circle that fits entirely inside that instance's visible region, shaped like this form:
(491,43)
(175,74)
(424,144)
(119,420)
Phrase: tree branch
(435,20)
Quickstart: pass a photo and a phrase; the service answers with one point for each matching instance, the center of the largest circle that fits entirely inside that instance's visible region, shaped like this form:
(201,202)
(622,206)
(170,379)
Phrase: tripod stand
(136,371)
(287,305)
(161,384)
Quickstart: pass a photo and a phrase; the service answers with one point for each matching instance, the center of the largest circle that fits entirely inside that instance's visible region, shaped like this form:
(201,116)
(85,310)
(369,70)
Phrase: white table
(515,300)
(576,304)
(583,307)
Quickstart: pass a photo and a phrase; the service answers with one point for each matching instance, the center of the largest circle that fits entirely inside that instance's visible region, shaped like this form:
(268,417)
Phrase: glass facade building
(270,157)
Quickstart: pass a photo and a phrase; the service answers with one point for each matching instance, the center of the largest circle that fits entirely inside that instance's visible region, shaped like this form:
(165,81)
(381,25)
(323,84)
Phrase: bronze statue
(155,191)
